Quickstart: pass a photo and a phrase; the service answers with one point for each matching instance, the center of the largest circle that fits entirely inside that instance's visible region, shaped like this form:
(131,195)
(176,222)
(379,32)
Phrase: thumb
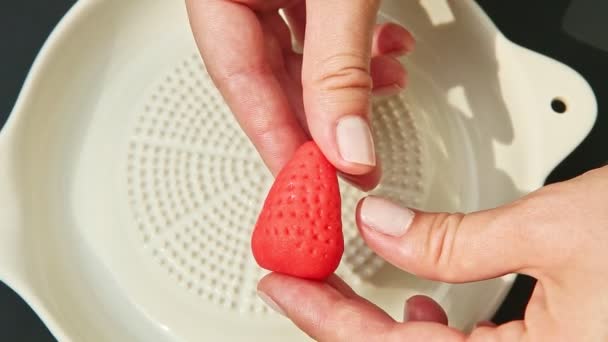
(337,83)
(452,247)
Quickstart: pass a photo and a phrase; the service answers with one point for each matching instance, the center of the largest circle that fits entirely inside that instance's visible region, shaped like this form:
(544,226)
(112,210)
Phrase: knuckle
(547,221)
(237,76)
(440,243)
(343,319)
(266,130)
(346,71)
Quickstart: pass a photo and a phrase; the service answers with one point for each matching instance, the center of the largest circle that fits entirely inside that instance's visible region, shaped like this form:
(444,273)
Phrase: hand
(281,97)
(559,235)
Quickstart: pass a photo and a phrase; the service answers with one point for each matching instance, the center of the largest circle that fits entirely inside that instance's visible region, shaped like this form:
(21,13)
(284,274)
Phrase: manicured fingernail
(271,303)
(385,216)
(388,90)
(355,141)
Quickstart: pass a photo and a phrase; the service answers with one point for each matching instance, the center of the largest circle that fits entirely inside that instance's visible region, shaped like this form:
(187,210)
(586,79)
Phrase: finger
(392,39)
(389,39)
(342,287)
(326,314)
(485,324)
(289,71)
(449,247)
(240,64)
(388,75)
(394,82)
(512,331)
(389,78)
(323,312)
(425,309)
(337,83)
(265,5)
(367,181)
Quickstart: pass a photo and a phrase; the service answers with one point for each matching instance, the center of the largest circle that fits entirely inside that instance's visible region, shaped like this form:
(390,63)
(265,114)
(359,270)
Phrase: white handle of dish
(10,216)
(560,133)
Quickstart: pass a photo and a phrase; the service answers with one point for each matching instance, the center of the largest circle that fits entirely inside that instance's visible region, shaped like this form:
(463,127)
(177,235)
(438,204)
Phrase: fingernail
(271,303)
(385,216)
(355,141)
(388,90)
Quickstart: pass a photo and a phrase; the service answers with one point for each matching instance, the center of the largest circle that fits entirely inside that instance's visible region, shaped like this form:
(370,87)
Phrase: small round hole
(559,106)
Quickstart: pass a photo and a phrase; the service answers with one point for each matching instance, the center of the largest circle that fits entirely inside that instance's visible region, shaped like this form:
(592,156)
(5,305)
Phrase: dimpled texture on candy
(299,230)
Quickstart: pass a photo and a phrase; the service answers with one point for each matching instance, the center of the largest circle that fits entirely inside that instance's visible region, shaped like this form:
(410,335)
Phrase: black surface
(540,25)
(586,21)
(24,26)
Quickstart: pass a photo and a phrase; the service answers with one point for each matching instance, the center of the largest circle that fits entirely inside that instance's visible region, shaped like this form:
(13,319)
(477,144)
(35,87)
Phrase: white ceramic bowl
(129,193)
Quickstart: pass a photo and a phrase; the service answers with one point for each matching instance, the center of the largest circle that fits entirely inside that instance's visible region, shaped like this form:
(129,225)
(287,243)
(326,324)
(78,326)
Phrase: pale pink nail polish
(355,141)
(385,216)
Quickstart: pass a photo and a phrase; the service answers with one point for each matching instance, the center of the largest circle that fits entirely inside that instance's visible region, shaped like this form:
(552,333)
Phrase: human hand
(281,97)
(559,235)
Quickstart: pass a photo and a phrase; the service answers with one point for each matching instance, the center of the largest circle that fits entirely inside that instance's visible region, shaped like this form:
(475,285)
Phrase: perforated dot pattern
(399,147)
(196,184)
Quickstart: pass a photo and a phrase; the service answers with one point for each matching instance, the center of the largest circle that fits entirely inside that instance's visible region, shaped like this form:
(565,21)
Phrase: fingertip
(392,39)
(337,83)
(280,285)
(346,141)
(425,309)
(265,285)
(271,303)
(364,230)
(387,72)
(271,290)
(366,182)
(341,159)
(383,216)
(354,169)
(383,224)
(447,247)
(355,144)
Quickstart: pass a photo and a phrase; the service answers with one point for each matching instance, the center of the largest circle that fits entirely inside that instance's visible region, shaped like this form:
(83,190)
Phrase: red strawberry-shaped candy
(299,231)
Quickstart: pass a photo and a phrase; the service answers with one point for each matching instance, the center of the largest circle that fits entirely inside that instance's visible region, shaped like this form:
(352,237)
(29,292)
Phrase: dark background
(571,31)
